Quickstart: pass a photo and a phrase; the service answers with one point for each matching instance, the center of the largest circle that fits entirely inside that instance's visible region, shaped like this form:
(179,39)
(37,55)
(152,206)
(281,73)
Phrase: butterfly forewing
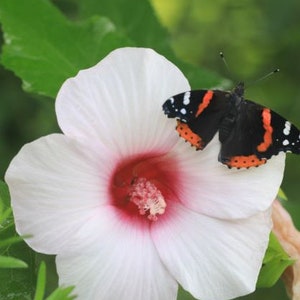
(199,112)
(285,136)
(184,106)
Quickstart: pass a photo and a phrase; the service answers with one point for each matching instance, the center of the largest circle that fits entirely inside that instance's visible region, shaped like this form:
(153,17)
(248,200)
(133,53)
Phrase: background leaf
(11,262)
(144,27)
(43,48)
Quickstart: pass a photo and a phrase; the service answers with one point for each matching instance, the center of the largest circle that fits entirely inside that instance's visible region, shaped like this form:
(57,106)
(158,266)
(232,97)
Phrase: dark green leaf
(275,262)
(11,262)
(43,48)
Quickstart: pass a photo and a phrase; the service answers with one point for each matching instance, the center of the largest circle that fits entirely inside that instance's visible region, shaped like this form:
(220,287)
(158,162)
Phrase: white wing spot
(171,100)
(285,142)
(287,128)
(186,98)
(183,111)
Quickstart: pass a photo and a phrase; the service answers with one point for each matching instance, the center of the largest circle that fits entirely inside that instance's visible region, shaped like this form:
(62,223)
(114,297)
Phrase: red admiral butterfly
(249,133)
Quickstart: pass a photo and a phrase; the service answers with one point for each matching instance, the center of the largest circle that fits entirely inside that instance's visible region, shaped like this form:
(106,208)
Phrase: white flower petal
(209,187)
(119,261)
(55,185)
(212,258)
(118,102)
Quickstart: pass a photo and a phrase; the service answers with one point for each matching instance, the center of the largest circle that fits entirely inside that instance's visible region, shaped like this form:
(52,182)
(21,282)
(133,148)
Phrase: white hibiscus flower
(129,209)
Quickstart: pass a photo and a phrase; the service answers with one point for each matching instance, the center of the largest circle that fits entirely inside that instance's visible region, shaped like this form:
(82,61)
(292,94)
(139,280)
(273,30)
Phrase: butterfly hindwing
(258,134)
(239,146)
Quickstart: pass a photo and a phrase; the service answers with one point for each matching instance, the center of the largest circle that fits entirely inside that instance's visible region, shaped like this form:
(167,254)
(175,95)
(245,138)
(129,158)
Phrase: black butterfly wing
(198,113)
(257,135)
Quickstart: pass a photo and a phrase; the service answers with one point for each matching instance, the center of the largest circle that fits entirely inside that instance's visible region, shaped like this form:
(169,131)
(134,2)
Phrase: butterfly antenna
(227,66)
(265,76)
(225,62)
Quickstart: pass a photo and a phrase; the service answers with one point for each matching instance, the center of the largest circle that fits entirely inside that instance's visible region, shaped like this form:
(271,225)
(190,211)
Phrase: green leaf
(281,195)
(62,294)
(11,262)
(41,282)
(276,260)
(144,28)
(43,48)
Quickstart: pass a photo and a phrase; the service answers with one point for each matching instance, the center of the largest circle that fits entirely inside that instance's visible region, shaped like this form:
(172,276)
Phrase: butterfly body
(249,133)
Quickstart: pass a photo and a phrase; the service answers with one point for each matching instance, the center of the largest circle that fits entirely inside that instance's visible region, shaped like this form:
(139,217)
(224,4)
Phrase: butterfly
(249,133)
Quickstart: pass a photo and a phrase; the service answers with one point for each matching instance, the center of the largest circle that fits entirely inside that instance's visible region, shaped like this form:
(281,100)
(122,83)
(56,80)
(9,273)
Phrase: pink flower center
(142,187)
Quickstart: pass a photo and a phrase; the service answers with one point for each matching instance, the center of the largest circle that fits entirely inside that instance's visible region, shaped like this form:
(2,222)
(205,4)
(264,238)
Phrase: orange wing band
(266,118)
(205,102)
(245,161)
(189,136)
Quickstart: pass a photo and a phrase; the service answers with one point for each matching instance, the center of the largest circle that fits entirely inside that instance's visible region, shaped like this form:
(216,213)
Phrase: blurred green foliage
(256,37)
